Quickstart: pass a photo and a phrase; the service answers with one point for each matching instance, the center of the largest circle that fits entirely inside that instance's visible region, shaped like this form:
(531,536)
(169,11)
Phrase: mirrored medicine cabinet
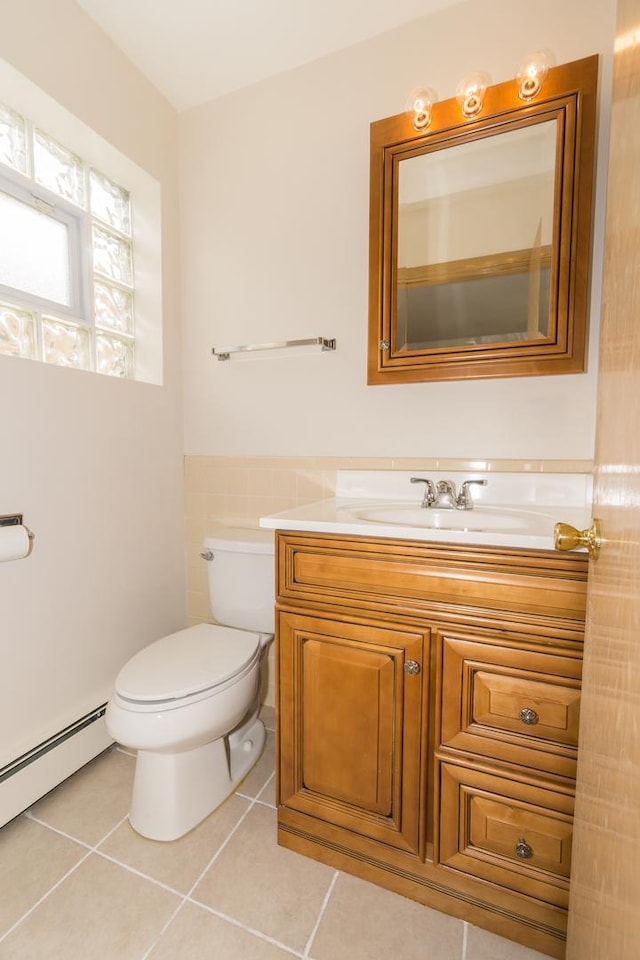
(480,235)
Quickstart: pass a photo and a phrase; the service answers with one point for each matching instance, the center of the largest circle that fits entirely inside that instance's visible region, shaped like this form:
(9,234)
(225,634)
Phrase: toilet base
(174,792)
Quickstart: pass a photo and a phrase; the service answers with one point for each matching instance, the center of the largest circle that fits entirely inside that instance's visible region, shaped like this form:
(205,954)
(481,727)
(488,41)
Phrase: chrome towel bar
(322,342)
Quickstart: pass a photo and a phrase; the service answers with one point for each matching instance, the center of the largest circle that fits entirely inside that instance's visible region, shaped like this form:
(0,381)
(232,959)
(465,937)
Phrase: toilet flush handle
(207,555)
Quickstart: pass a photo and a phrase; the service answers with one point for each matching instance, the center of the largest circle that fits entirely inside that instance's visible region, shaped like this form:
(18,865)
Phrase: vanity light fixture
(422,101)
(532,74)
(470,93)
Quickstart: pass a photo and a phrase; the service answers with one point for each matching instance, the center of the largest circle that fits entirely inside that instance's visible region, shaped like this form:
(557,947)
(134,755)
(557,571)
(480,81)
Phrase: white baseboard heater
(30,776)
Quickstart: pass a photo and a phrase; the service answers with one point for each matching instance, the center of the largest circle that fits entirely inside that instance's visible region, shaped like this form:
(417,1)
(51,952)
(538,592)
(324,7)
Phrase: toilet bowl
(188,704)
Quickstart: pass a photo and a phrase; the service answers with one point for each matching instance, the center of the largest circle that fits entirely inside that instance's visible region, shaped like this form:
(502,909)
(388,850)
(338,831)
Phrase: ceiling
(196,50)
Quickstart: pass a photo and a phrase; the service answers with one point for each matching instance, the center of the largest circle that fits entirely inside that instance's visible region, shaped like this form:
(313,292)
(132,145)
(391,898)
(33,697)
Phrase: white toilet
(188,702)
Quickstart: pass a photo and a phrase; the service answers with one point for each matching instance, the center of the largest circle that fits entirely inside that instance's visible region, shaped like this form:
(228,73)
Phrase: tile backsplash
(239,490)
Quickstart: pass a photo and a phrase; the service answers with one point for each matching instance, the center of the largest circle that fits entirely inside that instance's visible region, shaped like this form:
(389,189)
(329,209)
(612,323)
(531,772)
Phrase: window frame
(80,281)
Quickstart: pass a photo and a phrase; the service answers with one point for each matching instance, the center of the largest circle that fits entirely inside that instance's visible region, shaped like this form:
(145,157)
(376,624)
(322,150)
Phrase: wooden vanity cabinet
(428,699)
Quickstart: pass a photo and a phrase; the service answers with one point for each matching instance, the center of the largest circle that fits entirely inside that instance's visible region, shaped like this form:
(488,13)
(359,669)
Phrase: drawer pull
(529,716)
(523,850)
(412,667)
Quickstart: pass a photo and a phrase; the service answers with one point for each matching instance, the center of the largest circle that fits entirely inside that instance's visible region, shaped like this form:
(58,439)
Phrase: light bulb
(420,104)
(470,93)
(532,74)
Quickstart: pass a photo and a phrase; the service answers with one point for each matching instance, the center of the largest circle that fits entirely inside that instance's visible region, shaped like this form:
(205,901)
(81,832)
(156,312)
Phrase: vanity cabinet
(428,700)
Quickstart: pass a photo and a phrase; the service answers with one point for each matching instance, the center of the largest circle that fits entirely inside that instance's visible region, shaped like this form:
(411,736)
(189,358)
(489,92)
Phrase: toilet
(188,703)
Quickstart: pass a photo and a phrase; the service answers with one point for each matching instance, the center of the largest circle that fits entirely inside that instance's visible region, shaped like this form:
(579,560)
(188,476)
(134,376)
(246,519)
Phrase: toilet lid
(187,662)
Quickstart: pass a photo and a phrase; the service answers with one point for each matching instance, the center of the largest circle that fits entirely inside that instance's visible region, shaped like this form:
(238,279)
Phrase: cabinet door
(351,725)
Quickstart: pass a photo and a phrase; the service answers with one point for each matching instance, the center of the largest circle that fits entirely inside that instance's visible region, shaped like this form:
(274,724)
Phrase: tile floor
(76,883)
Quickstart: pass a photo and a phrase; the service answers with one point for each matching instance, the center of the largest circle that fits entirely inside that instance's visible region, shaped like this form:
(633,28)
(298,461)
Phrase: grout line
(44,896)
(265,803)
(183,898)
(257,799)
(187,898)
(89,850)
(221,848)
(140,873)
(90,847)
(164,929)
(236,923)
(323,907)
(43,823)
(465,929)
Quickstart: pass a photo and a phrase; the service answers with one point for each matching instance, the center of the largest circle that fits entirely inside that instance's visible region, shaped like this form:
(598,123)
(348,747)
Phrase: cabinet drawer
(511,833)
(514,704)
(442,580)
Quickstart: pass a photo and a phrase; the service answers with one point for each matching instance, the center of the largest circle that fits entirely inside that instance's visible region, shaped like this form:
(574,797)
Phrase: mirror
(480,235)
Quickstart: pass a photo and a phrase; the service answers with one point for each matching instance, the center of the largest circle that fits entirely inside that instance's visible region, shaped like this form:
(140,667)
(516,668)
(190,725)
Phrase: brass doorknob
(566,537)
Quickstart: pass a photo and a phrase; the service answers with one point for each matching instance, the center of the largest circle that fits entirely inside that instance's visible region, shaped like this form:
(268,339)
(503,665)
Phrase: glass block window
(13,140)
(66,255)
(58,169)
(65,344)
(110,203)
(17,332)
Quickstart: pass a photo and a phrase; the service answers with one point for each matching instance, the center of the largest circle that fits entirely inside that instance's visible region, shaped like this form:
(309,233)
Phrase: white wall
(274,238)
(95,464)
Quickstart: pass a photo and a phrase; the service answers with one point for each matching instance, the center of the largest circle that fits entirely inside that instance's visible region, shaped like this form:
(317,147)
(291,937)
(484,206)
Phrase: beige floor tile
(194,931)
(268,717)
(100,912)
(482,945)
(179,863)
(268,793)
(379,925)
(265,886)
(93,800)
(258,776)
(33,859)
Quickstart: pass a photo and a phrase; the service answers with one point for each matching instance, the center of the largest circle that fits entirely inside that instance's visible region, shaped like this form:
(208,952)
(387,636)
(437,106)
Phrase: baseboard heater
(31,775)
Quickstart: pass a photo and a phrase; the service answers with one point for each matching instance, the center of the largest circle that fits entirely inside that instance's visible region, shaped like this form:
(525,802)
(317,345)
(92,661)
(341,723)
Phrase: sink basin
(478,519)
(518,510)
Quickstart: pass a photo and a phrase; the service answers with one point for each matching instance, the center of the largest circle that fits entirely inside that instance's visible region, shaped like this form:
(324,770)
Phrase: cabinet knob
(529,716)
(523,850)
(412,667)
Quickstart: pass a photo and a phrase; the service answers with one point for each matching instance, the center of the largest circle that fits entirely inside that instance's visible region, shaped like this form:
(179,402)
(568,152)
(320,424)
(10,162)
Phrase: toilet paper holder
(10,520)
(15,520)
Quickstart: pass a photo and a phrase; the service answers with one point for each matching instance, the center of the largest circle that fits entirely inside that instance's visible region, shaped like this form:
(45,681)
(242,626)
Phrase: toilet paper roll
(14,542)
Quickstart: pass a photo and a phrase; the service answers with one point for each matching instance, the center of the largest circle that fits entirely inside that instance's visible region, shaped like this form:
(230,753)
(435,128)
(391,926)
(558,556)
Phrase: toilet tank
(241,578)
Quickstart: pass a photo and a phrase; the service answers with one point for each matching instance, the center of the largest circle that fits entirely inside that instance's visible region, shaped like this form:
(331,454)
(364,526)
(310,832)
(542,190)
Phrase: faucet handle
(464,500)
(429,490)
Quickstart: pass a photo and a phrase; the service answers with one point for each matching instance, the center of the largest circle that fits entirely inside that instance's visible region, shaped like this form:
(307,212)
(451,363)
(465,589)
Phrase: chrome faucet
(463,500)
(429,491)
(443,494)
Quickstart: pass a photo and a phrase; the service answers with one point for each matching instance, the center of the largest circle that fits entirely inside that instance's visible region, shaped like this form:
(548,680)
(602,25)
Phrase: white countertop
(512,510)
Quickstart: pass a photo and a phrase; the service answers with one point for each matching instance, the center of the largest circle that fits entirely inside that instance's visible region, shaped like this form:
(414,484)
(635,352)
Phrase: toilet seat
(186,666)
